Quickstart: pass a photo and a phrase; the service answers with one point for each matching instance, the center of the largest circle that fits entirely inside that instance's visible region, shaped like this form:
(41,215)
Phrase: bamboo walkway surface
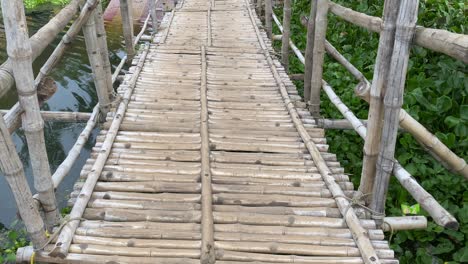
(208,163)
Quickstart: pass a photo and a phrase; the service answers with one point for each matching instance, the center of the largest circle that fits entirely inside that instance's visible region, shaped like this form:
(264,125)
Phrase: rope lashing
(358,200)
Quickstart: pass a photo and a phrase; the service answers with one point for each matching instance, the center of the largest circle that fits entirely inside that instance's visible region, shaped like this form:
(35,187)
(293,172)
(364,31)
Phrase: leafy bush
(435,95)
(10,240)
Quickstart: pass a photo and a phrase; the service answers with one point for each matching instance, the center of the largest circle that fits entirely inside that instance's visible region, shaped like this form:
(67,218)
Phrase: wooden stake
(309,50)
(19,52)
(375,116)
(96,60)
(127,25)
(393,101)
(12,167)
(286,34)
(318,56)
(268,17)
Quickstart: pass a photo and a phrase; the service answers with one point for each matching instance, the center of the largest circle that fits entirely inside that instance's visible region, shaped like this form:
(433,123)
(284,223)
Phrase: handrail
(440,215)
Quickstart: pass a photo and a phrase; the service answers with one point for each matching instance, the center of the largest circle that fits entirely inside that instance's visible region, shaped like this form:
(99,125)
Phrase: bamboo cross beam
(58,116)
(40,40)
(449,43)
(295,49)
(441,216)
(393,101)
(20,54)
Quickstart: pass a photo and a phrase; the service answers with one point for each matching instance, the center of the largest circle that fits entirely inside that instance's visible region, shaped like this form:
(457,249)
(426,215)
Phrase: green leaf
(413,209)
(464,112)
(444,103)
(451,121)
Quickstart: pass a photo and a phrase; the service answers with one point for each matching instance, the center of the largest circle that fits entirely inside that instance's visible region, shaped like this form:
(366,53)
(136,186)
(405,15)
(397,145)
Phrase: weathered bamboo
(11,166)
(452,44)
(65,238)
(154,17)
(309,50)
(127,24)
(379,83)
(102,78)
(429,141)
(104,51)
(393,100)
(427,201)
(268,17)
(391,224)
(318,57)
(142,31)
(286,34)
(207,250)
(359,233)
(19,52)
(293,46)
(259,7)
(75,151)
(12,118)
(40,40)
(56,116)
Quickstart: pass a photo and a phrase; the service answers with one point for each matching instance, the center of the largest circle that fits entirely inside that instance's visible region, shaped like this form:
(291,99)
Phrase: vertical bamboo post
(309,50)
(127,25)
(393,100)
(20,53)
(268,18)
(97,64)
(154,17)
(102,45)
(12,167)
(379,82)
(318,56)
(286,34)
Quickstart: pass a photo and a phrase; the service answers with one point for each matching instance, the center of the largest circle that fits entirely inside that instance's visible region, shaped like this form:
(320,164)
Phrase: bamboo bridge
(208,154)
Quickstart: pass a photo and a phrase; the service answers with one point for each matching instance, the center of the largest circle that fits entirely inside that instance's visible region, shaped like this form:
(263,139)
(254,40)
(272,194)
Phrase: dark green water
(75,93)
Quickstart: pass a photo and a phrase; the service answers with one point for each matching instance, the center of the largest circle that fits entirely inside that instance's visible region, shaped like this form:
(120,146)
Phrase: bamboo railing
(22,51)
(396,32)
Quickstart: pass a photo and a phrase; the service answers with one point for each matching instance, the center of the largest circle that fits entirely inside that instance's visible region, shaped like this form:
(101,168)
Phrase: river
(75,93)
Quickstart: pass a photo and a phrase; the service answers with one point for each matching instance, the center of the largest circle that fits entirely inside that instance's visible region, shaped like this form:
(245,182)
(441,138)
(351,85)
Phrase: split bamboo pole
(360,235)
(103,49)
(452,44)
(20,54)
(429,141)
(75,151)
(318,57)
(379,83)
(40,40)
(268,18)
(207,249)
(127,24)
(65,238)
(11,166)
(309,50)
(441,216)
(142,31)
(286,34)
(393,100)
(97,65)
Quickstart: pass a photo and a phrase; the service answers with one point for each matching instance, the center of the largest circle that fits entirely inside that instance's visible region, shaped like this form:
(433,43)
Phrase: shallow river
(75,93)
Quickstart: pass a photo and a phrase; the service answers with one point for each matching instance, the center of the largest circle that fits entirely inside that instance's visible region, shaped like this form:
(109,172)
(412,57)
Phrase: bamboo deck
(208,163)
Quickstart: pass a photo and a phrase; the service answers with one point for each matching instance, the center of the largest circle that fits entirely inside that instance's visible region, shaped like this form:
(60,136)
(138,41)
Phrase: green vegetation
(31,4)
(435,94)
(10,240)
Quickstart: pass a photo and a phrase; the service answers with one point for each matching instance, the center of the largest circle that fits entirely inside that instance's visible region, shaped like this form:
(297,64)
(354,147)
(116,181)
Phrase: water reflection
(75,93)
